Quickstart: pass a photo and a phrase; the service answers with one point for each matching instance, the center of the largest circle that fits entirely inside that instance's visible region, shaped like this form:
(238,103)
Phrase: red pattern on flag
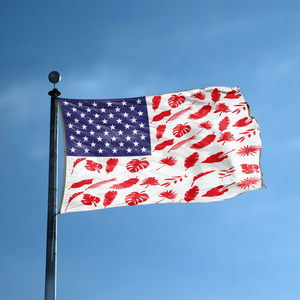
(212,164)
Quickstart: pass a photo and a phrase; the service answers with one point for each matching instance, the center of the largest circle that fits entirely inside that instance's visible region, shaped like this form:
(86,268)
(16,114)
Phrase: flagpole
(50,277)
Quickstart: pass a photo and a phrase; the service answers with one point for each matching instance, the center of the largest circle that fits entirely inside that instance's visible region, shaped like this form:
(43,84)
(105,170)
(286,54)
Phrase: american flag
(194,146)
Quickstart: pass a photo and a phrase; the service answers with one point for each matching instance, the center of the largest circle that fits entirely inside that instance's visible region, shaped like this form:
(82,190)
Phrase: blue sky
(246,247)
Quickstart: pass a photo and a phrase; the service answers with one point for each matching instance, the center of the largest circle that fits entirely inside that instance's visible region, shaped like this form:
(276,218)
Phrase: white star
(114,150)
(112,127)
(144,149)
(68,114)
(94,104)
(119,121)
(96,116)
(85,139)
(111,115)
(90,121)
(109,104)
(78,131)
(86,150)
(133,120)
(79,104)
(107,144)
(132,108)
(72,137)
(92,132)
(100,150)
(106,132)
(74,109)
(142,125)
(117,109)
(127,126)
(128,150)
(79,144)
(72,150)
(143,137)
(93,144)
(70,125)
(99,139)
(138,101)
(134,131)
(103,110)
(76,120)
(88,110)
(83,126)
(82,115)
(113,139)
(136,144)
(120,132)
(104,121)
(98,127)
(124,102)
(125,115)
(140,113)
(128,138)
(66,103)
(121,144)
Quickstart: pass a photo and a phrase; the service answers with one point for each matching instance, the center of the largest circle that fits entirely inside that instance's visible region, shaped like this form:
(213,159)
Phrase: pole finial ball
(54,77)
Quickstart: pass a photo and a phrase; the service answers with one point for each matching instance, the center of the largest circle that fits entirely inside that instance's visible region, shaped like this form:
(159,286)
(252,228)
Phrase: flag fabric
(194,146)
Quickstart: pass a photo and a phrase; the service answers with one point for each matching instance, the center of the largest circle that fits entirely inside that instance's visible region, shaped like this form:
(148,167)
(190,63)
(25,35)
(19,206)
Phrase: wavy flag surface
(194,146)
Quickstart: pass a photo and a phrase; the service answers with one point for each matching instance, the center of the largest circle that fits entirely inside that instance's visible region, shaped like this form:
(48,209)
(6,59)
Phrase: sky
(245,247)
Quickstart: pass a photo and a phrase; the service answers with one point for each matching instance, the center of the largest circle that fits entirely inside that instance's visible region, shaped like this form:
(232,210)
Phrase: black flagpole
(50,278)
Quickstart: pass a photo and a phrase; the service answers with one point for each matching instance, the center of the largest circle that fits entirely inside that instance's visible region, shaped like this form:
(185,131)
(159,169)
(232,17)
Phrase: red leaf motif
(125,184)
(247,150)
(176,100)
(218,157)
(179,113)
(169,161)
(233,95)
(155,102)
(71,198)
(160,130)
(217,191)
(150,181)
(90,200)
(109,197)
(81,183)
(97,184)
(191,160)
(76,162)
(135,198)
(215,95)
(224,124)
(180,130)
(249,169)
(93,166)
(162,115)
(198,96)
(111,164)
(201,113)
(181,143)
(191,194)
(163,145)
(226,137)
(248,182)
(201,175)
(136,165)
(204,142)
(170,195)
(222,108)
(205,125)
(243,122)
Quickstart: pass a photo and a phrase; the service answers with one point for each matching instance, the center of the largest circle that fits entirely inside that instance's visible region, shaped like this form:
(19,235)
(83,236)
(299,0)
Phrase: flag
(194,146)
